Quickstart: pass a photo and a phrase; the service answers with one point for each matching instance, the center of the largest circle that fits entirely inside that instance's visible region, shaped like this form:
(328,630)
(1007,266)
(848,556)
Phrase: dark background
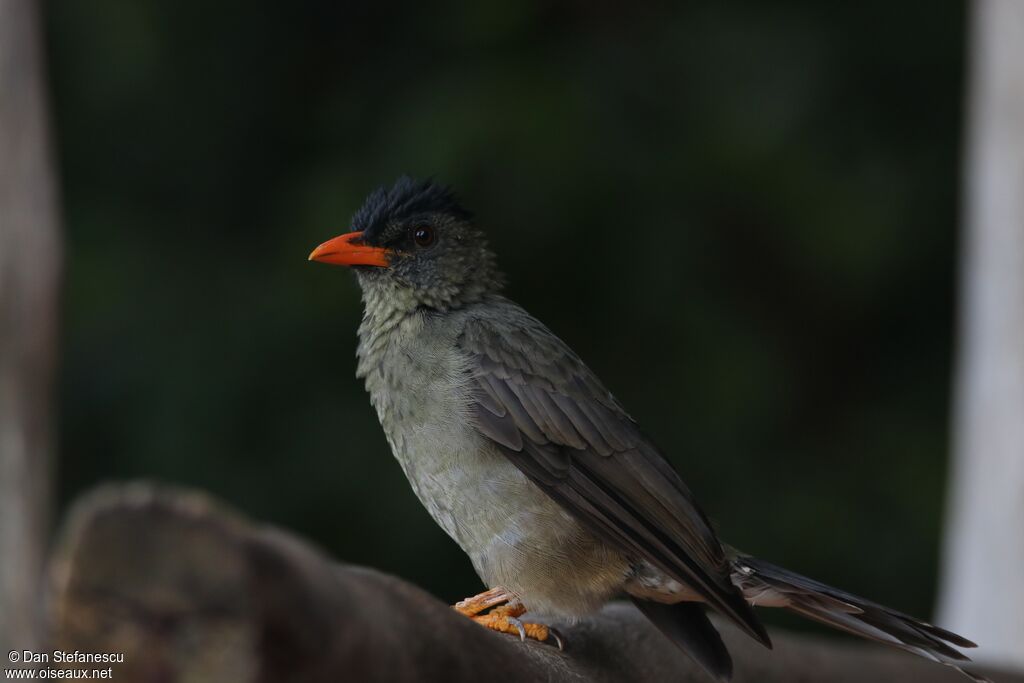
(743,218)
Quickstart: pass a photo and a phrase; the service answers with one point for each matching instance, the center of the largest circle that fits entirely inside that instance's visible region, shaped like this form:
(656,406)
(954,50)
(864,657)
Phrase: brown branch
(189,590)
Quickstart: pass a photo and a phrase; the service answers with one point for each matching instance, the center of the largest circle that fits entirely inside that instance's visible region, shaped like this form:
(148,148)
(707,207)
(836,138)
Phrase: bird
(519,452)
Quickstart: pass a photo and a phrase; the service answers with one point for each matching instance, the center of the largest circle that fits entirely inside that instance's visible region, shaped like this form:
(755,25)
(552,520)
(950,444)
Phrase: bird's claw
(552,633)
(519,627)
(505,617)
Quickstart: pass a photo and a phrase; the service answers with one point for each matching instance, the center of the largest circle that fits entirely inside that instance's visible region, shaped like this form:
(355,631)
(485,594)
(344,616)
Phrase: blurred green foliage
(742,216)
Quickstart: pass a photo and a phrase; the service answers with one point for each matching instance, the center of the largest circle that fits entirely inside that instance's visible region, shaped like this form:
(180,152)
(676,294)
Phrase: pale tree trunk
(29,261)
(983,579)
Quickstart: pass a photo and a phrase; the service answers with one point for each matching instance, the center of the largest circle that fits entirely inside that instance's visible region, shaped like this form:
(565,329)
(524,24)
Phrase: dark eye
(423,236)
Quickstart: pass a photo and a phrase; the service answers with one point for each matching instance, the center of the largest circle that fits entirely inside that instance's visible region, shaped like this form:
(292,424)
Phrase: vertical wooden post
(29,265)
(983,574)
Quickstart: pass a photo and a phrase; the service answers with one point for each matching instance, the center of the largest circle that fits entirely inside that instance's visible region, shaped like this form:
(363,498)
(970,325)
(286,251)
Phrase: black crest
(406,199)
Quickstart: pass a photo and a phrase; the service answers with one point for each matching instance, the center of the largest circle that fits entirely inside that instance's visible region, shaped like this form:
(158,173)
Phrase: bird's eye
(423,236)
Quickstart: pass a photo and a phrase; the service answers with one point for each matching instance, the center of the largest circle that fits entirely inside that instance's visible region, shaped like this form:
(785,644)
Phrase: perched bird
(528,462)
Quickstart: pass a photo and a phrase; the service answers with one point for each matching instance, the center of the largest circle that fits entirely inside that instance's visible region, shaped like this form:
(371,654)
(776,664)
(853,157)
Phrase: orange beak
(348,250)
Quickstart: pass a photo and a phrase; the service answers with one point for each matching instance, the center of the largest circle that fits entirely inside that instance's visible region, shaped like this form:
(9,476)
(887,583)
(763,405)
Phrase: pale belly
(514,534)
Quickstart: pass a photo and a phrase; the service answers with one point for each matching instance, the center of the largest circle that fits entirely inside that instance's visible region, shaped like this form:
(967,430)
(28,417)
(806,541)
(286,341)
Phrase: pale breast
(515,535)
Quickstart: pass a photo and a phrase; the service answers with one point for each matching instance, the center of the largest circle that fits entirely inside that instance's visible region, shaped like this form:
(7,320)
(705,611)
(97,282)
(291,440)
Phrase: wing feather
(551,416)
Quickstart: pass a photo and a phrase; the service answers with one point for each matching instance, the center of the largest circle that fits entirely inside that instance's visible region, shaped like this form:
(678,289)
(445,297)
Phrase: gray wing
(552,417)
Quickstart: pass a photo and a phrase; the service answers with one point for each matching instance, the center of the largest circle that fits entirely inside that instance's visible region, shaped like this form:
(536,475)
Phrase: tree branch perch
(189,590)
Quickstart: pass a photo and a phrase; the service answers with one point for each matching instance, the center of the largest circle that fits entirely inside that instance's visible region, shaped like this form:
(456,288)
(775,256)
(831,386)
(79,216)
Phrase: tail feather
(769,584)
(686,625)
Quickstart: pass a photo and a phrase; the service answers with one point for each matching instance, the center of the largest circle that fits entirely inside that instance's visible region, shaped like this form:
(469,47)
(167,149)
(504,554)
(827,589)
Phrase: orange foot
(504,617)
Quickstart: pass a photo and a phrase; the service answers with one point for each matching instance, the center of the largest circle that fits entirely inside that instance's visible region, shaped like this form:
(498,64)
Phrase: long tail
(765,584)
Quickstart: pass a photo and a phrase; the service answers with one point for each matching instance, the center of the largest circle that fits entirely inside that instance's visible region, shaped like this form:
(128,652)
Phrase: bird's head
(414,239)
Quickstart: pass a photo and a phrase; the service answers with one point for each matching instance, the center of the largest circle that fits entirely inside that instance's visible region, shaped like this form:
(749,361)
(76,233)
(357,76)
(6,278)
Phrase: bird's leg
(504,617)
(473,606)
